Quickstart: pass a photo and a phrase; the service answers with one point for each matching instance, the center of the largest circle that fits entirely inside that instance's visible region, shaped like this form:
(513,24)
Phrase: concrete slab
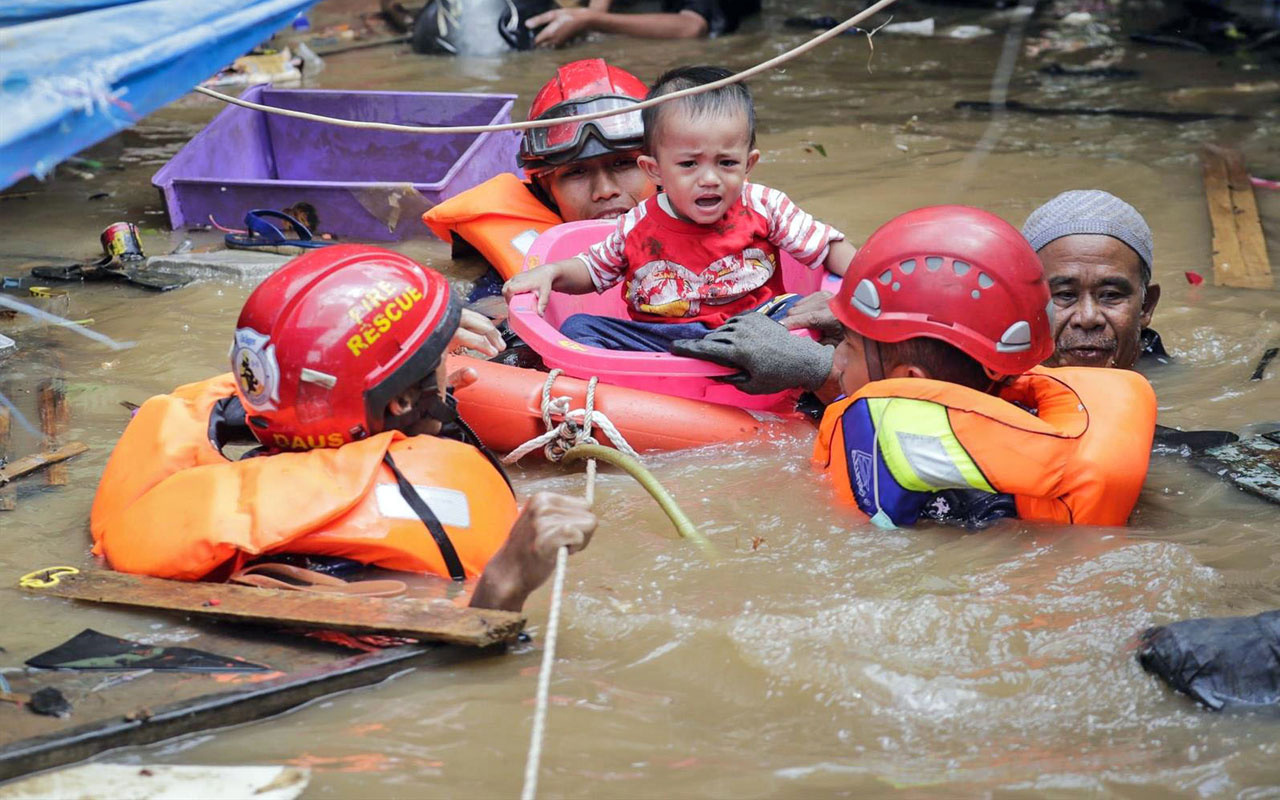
(240,265)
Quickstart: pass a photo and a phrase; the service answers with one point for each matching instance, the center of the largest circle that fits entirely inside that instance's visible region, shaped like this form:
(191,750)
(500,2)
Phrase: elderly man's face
(1100,307)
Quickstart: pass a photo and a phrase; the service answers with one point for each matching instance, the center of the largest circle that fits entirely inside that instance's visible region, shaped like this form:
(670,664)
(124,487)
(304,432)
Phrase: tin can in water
(121,240)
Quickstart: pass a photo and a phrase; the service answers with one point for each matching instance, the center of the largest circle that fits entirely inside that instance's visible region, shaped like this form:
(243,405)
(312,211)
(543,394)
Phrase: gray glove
(770,358)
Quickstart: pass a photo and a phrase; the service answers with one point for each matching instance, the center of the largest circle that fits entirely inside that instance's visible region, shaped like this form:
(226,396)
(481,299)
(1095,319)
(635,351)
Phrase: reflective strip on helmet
(920,449)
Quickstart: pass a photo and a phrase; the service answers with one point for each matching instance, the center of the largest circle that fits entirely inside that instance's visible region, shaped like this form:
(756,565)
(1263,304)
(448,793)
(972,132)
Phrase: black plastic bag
(1220,662)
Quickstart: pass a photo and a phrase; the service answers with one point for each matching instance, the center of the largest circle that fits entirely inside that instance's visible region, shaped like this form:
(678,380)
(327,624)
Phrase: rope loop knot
(575,426)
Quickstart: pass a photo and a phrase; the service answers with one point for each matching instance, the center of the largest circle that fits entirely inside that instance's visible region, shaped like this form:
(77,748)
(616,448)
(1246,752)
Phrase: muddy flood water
(820,656)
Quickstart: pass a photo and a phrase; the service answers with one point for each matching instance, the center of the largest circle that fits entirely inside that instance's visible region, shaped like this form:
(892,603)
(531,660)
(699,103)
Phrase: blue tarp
(16,11)
(67,82)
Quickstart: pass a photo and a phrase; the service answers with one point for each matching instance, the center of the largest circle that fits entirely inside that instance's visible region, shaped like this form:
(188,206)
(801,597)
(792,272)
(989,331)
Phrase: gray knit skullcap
(1090,211)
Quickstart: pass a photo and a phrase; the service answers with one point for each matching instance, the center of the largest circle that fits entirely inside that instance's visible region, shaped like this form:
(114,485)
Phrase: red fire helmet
(324,344)
(953,273)
(582,87)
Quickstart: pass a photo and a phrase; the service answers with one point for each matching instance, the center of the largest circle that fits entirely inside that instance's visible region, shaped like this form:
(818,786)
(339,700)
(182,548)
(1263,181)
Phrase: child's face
(701,161)
(850,361)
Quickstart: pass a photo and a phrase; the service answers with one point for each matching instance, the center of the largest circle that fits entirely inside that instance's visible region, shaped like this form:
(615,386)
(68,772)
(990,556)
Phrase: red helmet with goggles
(325,343)
(583,87)
(954,273)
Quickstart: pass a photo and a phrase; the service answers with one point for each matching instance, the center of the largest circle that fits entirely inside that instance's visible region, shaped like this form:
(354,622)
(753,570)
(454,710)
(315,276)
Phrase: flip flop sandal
(284,576)
(261,234)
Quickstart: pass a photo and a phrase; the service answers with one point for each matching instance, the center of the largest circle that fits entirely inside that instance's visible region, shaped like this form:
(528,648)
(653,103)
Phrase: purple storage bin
(364,184)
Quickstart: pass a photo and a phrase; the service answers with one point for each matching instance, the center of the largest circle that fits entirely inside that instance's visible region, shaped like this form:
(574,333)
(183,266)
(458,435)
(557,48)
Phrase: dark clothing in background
(722,16)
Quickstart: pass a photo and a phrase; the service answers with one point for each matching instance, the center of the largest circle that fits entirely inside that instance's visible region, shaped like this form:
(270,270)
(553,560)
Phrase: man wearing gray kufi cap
(1097,256)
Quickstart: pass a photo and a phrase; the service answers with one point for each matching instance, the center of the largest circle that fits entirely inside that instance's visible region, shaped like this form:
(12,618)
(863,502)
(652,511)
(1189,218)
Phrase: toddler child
(703,249)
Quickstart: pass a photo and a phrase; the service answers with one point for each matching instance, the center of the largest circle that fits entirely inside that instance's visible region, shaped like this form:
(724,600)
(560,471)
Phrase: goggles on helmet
(558,144)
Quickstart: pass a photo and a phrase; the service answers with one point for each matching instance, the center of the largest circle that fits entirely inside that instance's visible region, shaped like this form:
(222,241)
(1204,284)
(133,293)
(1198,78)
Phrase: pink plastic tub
(663,373)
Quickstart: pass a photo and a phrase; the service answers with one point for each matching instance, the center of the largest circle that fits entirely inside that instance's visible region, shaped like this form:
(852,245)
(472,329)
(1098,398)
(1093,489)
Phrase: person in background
(677,19)
(1097,256)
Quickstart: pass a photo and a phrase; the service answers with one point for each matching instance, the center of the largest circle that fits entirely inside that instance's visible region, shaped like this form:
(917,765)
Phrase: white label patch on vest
(449,505)
(524,240)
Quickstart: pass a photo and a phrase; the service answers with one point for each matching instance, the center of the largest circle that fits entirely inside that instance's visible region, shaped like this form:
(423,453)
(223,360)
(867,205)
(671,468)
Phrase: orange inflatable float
(504,406)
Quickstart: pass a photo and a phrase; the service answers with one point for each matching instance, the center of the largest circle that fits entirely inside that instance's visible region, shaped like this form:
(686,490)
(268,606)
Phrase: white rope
(574,428)
(794,52)
(566,434)
(544,679)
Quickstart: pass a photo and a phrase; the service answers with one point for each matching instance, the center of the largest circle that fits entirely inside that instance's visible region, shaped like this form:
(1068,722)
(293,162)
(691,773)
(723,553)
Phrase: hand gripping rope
(566,442)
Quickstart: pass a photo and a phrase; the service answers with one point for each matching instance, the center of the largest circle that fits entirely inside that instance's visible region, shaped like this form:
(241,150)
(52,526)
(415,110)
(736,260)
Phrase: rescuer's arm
(770,358)
(549,521)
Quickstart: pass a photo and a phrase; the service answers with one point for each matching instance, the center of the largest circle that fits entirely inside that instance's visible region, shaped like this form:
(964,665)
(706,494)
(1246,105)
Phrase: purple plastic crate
(364,184)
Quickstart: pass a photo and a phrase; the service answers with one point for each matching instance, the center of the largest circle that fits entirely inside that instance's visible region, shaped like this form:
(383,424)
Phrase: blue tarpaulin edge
(69,82)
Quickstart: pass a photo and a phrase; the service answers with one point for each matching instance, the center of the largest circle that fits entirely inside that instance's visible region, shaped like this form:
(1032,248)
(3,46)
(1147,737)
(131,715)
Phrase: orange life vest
(500,218)
(1081,458)
(170,505)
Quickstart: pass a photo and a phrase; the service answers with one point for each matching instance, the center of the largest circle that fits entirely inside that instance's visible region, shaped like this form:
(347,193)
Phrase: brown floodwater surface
(819,655)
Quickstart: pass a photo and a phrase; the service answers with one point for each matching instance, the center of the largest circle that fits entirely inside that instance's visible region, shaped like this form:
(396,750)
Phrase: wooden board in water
(433,619)
(1239,248)
(113,709)
(124,709)
(1253,464)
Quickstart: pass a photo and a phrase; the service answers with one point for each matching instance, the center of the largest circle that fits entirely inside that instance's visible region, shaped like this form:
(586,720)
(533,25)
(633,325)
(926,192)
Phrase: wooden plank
(35,461)
(1239,247)
(428,620)
(54,419)
(220,706)
(8,495)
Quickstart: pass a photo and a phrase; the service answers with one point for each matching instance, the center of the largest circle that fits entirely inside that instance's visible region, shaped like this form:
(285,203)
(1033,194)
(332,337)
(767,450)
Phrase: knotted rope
(574,428)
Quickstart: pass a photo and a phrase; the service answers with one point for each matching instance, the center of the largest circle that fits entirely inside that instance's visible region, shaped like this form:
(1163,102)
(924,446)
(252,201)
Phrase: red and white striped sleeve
(790,227)
(607,260)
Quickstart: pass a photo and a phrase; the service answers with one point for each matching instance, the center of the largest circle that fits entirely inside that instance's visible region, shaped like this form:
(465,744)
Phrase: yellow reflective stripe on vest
(919,447)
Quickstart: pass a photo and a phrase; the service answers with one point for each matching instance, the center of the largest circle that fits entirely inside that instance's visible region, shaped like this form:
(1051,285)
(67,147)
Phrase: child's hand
(537,280)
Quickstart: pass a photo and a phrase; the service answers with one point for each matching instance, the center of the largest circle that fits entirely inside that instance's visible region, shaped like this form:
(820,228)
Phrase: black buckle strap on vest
(429,518)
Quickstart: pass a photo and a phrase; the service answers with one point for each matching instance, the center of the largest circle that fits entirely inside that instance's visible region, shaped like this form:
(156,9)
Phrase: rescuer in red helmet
(945,413)
(338,372)
(576,171)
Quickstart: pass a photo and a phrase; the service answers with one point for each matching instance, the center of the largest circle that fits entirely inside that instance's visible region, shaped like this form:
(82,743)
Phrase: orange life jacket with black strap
(1081,457)
(501,217)
(171,505)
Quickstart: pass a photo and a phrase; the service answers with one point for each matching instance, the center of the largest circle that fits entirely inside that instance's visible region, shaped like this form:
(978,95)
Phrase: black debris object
(1084,111)
(1057,70)
(1252,464)
(1209,27)
(1219,662)
(1173,440)
(90,649)
(1261,370)
(50,703)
